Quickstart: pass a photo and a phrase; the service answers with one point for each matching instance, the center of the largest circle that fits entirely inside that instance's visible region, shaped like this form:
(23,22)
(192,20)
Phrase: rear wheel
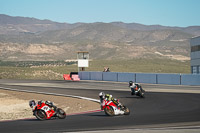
(126,110)
(141,94)
(61,113)
(110,111)
(40,115)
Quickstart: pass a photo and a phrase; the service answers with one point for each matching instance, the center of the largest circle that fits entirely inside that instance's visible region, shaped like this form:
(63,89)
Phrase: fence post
(135,78)
(117,77)
(156,78)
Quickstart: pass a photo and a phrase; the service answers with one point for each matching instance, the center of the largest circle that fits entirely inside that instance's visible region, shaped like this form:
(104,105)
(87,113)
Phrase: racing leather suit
(135,87)
(49,103)
(110,98)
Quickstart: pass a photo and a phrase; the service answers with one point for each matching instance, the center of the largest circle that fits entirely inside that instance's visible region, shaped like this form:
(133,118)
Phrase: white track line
(55,94)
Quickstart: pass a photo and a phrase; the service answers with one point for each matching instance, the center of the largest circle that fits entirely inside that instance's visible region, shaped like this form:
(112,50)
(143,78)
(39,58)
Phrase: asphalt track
(157,110)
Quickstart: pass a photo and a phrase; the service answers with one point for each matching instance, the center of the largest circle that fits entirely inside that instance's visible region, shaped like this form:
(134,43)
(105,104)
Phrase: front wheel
(110,111)
(126,110)
(40,115)
(61,113)
(141,93)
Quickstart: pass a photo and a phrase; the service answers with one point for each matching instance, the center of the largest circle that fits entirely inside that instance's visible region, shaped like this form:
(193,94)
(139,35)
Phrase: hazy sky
(163,12)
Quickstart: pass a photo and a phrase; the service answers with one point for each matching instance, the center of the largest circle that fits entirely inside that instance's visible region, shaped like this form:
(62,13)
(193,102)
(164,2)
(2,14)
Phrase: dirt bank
(15,105)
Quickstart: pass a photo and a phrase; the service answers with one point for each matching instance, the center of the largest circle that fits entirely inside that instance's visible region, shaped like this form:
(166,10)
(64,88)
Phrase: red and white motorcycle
(43,111)
(111,109)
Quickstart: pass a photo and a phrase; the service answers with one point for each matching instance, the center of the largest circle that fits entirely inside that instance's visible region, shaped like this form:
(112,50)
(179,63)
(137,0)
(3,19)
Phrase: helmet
(49,103)
(130,83)
(102,95)
(40,102)
(32,103)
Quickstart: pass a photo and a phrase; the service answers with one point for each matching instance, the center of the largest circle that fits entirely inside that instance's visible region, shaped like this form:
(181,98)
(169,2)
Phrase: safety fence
(151,78)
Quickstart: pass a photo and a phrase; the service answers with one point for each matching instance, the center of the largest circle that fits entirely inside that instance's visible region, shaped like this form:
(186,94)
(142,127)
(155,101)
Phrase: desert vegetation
(52,70)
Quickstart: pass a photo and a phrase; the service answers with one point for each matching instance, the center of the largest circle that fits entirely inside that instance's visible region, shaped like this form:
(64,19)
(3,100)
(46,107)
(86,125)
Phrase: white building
(195,55)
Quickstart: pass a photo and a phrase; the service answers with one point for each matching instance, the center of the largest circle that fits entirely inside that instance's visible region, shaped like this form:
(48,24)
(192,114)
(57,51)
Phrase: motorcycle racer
(108,97)
(44,110)
(111,106)
(32,104)
(134,86)
(136,89)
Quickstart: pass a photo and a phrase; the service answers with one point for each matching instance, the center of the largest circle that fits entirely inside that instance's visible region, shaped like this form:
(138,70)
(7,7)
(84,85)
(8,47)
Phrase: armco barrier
(146,78)
(126,77)
(84,75)
(96,76)
(151,78)
(190,79)
(110,76)
(80,75)
(172,79)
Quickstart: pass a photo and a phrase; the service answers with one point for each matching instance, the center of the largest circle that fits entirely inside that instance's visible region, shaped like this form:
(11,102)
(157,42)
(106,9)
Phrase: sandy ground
(15,105)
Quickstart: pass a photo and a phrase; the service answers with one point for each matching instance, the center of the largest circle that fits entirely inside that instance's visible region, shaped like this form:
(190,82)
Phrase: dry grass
(55,72)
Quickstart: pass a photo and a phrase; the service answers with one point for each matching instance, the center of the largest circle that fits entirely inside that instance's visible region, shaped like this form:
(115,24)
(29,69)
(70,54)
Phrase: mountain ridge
(5,19)
(23,38)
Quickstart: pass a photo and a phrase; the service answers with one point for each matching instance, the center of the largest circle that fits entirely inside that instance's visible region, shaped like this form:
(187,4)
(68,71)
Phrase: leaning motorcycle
(111,109)
(138,91)
(44,112)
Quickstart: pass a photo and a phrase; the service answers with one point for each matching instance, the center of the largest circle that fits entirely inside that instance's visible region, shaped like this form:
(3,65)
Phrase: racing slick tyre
(40,115)
(61,113)
(141,93)
(126,110)
(109,112)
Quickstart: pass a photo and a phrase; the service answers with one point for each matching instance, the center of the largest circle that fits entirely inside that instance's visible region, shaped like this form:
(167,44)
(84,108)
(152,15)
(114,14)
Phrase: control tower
(83,60)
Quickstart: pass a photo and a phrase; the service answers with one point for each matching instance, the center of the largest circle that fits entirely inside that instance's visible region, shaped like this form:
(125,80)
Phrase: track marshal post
(83,60)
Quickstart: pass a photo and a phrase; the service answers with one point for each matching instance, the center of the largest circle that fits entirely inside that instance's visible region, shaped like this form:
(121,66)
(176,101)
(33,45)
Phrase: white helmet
(102,95)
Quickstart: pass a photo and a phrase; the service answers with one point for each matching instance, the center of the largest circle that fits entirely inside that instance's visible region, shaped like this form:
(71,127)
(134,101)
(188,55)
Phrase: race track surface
(157,109)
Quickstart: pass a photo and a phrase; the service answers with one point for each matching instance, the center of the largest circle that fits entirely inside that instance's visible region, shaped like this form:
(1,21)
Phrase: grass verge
(55,72)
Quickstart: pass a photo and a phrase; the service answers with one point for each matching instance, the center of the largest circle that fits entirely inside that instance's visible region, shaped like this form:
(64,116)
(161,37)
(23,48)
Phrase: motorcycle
(111,109)
(138,91)
(43,111)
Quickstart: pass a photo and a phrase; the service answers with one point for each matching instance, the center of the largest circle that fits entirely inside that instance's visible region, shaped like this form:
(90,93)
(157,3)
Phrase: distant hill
(194,30)
(16,25)
(23,38)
